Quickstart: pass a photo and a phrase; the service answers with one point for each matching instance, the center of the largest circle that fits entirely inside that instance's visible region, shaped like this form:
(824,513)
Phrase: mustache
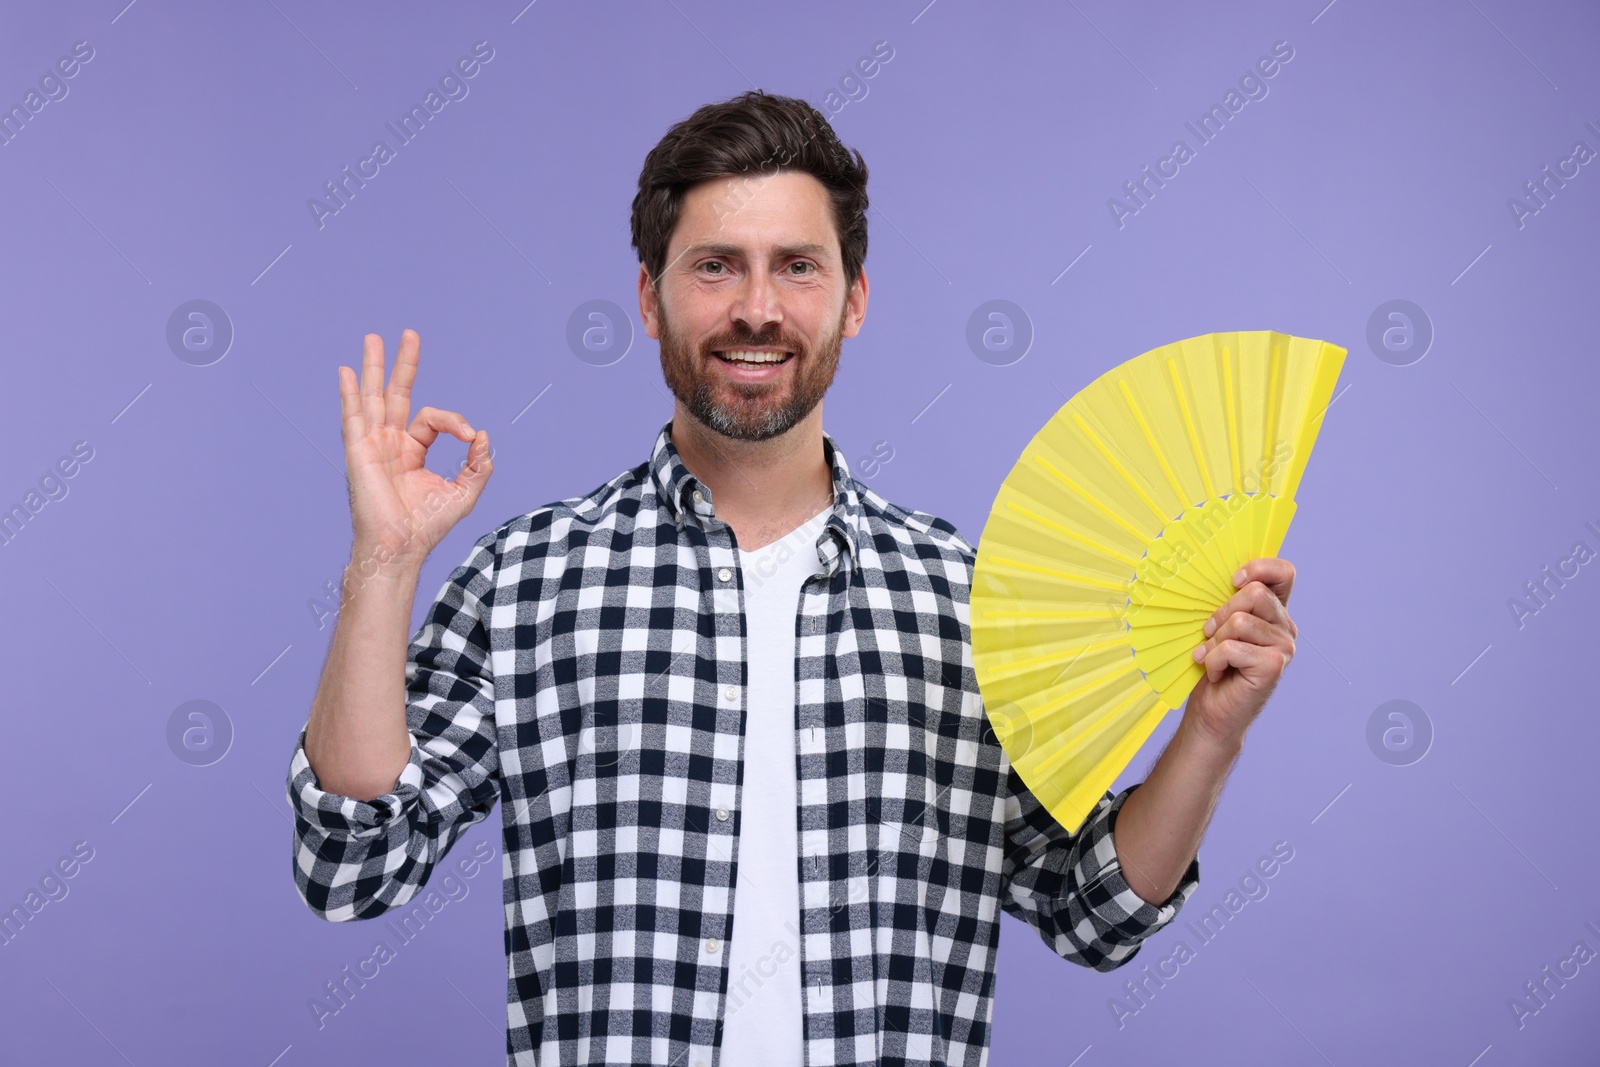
(757,341)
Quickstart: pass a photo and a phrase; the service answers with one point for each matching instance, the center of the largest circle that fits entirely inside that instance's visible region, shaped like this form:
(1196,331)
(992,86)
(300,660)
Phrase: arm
(356,736)
(1250,640)
(1161,825)
(400,510)
(1072,888)
(382,786)
(356,858)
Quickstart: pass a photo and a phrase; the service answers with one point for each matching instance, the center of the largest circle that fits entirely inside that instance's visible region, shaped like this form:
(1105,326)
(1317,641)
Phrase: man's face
(753,269)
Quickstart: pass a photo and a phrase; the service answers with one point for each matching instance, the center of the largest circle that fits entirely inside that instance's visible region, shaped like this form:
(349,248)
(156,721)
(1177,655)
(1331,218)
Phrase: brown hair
(752,132)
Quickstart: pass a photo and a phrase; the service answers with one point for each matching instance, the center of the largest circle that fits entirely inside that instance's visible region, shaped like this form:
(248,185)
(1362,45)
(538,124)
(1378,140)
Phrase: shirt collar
(677,488)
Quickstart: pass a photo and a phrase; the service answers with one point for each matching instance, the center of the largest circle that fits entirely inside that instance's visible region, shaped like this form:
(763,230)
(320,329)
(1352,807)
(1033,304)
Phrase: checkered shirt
(585,666)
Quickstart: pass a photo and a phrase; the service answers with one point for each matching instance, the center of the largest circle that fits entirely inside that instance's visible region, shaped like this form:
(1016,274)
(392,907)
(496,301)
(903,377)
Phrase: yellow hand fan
(1117,534)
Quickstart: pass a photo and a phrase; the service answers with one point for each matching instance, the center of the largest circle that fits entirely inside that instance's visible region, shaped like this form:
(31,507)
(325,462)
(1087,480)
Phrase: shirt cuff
(1110,896)
(334,813)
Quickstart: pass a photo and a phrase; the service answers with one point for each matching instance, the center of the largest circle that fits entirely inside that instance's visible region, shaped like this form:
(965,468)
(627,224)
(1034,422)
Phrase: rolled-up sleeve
(1070,887)
(355,859)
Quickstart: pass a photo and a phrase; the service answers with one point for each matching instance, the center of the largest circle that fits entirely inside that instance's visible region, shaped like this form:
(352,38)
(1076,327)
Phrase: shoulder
(616,506)
(932,543)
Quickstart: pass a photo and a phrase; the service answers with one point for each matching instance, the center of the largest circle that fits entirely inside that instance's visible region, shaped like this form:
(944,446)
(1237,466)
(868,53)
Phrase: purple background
(184,560)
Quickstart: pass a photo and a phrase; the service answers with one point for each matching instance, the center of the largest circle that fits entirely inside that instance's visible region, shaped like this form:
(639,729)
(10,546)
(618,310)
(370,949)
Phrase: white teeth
(754,357)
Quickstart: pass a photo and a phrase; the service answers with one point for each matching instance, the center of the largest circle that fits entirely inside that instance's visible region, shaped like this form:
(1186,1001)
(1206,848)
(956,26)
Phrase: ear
(855,306)
(649,304)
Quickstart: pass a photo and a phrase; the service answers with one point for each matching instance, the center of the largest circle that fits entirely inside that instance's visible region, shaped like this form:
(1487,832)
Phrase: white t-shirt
(762,1016)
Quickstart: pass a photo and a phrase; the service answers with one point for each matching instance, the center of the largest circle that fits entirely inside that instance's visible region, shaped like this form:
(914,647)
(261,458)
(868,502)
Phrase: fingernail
(1211,624)
(1198,654)
(1238,578)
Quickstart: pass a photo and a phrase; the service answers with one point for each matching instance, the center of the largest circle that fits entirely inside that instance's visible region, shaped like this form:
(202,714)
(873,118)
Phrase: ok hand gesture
(399,508)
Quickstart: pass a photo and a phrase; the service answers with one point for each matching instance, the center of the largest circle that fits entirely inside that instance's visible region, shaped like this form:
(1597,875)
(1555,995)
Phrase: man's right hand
(399,508)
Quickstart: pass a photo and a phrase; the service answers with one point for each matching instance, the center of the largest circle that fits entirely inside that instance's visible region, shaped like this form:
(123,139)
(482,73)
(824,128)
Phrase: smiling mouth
(741,358)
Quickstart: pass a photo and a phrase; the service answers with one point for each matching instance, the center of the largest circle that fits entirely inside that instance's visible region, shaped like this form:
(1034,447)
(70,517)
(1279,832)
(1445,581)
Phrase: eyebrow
(717,248)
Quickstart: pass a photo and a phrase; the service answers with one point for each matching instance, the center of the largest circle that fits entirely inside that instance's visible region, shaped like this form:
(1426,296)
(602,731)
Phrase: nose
(758,303)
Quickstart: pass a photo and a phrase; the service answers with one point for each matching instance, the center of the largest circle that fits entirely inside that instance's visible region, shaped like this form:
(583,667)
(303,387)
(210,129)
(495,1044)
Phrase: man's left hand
(1249,642)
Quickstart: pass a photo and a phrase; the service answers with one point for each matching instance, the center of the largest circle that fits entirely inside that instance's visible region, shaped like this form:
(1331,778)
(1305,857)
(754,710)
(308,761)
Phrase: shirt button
(732,692)
(722,814)
(698,497)
(725,574)
(712,944)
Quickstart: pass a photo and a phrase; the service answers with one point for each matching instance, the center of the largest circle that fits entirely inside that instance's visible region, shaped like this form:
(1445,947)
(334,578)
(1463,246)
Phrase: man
(752,810)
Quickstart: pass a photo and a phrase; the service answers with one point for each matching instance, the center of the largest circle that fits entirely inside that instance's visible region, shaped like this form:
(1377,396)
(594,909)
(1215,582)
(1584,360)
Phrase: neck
(763,489)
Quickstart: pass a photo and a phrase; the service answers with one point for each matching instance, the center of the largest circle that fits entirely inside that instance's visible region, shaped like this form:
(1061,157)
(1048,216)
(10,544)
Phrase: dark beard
(748,419)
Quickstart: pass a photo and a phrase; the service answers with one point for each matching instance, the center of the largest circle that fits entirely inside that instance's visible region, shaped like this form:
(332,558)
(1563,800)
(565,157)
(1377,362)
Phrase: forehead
(757,212)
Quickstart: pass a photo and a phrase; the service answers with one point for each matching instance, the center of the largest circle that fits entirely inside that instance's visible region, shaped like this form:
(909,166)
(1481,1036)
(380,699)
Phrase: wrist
(368,566)
(1219,747)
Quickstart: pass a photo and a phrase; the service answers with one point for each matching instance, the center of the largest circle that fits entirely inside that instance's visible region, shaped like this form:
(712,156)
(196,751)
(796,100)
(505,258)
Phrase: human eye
(714,263)
(804,263)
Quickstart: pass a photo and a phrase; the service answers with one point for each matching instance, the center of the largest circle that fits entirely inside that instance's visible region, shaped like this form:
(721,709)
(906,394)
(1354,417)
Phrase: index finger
(397,398)
(1256,599)
(1274,573)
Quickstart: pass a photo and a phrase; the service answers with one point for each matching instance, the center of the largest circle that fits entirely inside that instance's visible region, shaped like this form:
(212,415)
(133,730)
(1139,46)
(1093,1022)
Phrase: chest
(624,686)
